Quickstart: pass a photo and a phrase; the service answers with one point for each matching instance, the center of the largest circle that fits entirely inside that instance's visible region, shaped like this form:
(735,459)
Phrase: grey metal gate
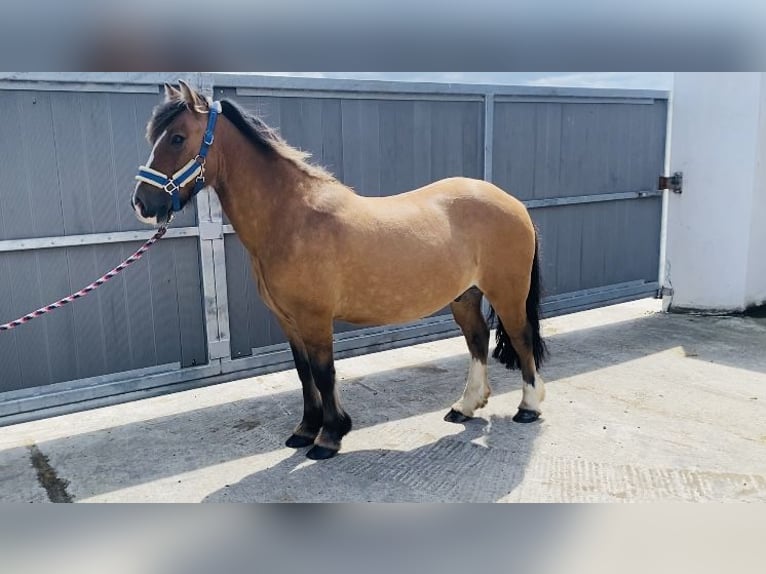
(584,161)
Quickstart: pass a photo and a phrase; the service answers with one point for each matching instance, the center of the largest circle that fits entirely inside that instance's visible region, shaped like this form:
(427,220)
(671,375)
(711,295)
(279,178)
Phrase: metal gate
(584,161)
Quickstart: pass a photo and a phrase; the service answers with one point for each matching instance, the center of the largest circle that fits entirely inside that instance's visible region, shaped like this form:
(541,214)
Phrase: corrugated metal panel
(548,150)
(150,315)
(595,245)
(558,150)
(69,167)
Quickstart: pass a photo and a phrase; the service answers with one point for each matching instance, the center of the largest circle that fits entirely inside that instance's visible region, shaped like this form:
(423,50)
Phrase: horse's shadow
(484,462)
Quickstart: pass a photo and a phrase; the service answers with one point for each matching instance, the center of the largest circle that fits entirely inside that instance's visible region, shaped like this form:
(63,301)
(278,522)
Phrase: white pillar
(716,238)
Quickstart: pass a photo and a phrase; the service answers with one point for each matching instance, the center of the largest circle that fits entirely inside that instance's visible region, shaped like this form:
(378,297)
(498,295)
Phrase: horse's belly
(399,302)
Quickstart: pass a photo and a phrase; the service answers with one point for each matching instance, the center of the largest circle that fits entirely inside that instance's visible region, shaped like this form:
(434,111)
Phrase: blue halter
(195,168)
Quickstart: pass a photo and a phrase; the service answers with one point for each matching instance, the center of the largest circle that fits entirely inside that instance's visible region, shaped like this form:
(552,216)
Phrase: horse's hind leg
(516,340)
(467,312)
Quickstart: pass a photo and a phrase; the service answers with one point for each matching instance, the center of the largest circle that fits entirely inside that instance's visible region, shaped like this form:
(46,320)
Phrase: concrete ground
(641,406)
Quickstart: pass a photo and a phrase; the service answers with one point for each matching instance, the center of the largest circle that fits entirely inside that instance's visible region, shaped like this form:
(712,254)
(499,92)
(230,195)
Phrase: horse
(320,252)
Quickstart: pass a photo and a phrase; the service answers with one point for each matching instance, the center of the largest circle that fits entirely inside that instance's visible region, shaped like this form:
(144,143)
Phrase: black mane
(253,127)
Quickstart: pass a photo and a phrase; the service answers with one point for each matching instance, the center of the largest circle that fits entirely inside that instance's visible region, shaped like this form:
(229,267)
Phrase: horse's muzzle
(151,205)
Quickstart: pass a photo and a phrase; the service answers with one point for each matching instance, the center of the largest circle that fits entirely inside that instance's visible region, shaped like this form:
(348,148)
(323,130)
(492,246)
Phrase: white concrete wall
(716,230)
(755,288)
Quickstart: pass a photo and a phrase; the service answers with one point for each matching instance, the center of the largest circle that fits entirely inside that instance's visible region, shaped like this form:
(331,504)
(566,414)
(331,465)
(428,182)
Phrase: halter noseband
(195,168)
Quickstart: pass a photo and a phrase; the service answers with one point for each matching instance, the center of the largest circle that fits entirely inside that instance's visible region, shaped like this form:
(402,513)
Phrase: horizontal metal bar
(7,245)
(119,81)
(137,387)
(348,95)
(596,198)
(598,297)
(45,86)
(14,402)
(353,343)
(326,84)
(571,100)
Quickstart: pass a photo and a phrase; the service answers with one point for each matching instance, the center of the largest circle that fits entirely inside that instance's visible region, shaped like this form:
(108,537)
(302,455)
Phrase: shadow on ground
(466,467)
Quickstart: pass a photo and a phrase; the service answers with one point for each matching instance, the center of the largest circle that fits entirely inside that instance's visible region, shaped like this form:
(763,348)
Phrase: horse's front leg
(335,422)
(308,429)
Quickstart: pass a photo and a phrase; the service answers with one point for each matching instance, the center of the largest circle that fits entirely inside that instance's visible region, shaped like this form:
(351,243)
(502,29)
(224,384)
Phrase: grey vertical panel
(365,142)
(353,155)
(422,143)
(31,350)
(89,330)
(238,282)
(99,164)
(164,286)
(9,343)
(190,302)
(140,312)
(59,326)
(445,131)
(125,155)
(71,163)
(472,146)
(39,148)
(121,338)
(15,206)
(514,149)
(547,151)
(396,146)
(332,137)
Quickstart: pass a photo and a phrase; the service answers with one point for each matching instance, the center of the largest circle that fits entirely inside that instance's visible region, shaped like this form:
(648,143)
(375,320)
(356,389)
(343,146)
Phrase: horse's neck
(256,190)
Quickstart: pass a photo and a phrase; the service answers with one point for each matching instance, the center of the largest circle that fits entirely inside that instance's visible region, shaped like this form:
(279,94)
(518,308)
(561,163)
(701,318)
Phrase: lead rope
(92,287)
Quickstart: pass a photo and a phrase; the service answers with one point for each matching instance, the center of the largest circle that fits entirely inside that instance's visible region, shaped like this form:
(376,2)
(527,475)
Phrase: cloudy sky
(647,80)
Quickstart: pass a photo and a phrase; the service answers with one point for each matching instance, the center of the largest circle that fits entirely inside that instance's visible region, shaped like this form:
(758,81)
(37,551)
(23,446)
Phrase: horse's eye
(177,139)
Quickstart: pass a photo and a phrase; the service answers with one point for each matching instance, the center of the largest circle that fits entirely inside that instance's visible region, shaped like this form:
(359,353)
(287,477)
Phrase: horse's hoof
(526,416)
(321,453)
(456,417)
(296,441)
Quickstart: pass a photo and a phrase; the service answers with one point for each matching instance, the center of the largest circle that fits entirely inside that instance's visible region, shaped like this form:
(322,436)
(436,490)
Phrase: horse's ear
(193,100)
(171,93)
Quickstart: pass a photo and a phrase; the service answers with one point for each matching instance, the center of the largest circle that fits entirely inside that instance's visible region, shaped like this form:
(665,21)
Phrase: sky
(642,80)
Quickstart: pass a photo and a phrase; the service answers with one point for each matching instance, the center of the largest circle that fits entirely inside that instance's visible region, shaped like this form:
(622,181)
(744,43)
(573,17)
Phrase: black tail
(504,352)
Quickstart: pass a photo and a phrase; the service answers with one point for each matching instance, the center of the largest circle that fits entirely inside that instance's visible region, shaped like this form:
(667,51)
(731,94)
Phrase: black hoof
(525,416)
(296,441)
(321,453)
(456,417)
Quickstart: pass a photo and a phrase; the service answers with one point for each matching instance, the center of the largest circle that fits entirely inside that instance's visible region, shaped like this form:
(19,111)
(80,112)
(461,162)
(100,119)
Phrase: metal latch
(674,182)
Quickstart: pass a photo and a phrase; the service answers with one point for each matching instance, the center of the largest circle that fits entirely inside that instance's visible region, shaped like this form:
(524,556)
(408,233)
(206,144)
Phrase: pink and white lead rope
(92,287)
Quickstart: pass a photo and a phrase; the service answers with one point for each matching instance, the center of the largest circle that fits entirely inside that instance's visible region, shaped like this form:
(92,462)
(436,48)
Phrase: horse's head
(180,131)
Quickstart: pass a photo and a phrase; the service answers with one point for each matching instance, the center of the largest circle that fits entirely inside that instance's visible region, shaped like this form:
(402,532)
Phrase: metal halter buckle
(171,187)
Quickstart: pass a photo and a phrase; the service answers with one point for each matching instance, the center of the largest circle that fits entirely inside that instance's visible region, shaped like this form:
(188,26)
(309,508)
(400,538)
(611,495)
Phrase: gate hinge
(664,292)
(674,182)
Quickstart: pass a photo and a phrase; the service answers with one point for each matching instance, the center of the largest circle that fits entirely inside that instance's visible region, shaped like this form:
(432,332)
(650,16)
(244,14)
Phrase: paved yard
(641,406)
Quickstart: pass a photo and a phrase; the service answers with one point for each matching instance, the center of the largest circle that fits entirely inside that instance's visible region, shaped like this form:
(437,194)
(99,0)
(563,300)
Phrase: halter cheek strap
(195,168)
